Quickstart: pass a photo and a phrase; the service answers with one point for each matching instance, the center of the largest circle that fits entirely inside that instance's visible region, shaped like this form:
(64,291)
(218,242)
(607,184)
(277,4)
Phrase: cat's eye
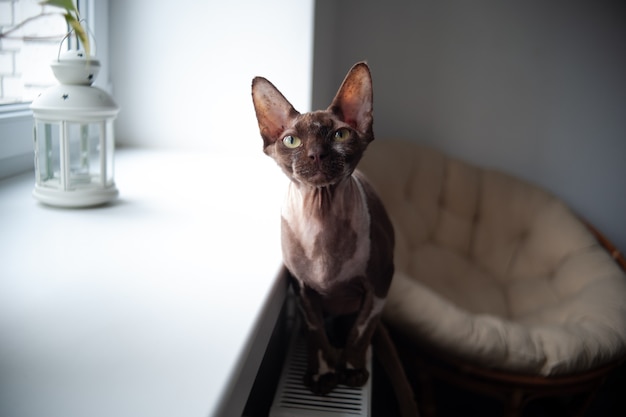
(342,135)
(292,141)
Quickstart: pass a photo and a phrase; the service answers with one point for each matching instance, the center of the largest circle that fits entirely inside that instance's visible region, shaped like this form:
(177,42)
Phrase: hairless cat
(337,239)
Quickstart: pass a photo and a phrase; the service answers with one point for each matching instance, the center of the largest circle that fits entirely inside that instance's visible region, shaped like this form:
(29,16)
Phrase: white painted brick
(32,58)
(12,86)
(34,63)
(6,14)
(26,8)
(7,60)
(9,44)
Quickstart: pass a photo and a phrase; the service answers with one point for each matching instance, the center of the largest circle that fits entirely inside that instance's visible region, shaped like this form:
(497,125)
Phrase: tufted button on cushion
(494,269)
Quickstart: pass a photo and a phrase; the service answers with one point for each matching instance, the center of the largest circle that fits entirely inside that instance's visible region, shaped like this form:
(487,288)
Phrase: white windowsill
(151,306)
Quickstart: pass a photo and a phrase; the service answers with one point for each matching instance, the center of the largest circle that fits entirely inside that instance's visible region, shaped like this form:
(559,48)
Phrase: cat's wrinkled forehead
(318,123)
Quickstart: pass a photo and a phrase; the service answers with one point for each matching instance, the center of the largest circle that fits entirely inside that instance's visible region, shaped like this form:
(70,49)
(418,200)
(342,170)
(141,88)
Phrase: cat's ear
(273,112)
(353,102)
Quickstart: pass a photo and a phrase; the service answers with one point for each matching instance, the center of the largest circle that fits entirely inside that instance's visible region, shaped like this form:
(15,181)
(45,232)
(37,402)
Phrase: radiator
(293,398)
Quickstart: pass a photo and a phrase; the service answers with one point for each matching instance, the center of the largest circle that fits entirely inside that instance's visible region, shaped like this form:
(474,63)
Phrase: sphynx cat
(337,240)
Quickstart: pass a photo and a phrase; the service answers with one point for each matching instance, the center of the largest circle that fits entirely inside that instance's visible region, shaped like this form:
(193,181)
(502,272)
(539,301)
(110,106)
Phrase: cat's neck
(341,197)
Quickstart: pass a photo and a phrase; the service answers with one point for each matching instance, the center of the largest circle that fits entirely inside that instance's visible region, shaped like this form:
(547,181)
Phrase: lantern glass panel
(48,141)
(110,148)
(84,153)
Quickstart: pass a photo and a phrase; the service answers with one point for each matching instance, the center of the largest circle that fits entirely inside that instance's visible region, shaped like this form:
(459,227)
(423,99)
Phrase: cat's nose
(317,154)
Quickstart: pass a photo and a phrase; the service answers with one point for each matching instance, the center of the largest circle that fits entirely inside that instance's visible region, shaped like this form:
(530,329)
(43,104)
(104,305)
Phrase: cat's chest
(328,249)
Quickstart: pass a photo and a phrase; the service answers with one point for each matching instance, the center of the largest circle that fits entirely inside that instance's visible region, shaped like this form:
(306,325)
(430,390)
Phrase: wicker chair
(499,288)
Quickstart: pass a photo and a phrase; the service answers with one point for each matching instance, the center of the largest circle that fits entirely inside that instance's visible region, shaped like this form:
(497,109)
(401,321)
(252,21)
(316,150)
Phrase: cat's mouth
(320,177)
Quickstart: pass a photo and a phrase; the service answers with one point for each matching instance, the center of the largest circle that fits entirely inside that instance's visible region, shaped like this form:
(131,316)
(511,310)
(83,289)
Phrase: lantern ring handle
(68,34)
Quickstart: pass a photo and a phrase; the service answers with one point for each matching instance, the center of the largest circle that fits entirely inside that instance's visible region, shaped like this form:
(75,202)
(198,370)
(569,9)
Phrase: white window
(25,58)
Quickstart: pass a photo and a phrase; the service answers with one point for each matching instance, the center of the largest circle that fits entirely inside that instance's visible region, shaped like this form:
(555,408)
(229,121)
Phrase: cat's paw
(321,384)
(354,377)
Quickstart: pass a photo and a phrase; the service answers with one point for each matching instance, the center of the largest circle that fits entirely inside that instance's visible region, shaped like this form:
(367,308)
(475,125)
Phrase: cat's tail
(387,355)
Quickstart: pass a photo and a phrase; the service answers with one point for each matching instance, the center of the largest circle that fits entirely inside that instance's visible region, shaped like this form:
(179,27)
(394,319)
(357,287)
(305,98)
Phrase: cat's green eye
(292,141)
(342,135)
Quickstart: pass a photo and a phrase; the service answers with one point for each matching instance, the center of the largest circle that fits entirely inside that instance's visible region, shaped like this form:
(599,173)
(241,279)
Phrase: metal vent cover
(293,398)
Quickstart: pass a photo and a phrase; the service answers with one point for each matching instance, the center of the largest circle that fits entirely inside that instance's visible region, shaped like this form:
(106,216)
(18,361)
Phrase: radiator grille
(293,398)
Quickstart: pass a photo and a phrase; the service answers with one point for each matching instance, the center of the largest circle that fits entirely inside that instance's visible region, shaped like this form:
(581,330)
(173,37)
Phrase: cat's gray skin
(337,240)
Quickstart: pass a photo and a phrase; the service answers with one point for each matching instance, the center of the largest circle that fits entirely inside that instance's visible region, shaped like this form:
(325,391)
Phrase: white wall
(537,88)
(182,71)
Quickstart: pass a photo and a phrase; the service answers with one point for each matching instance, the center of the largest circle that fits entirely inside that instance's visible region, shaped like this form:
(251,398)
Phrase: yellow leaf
(80,32)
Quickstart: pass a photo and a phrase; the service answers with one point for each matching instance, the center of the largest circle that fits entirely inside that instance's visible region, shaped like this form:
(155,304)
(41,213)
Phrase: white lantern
(74,140)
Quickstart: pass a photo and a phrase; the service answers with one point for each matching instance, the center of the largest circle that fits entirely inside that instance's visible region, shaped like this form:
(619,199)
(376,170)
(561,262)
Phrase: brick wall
(25,56)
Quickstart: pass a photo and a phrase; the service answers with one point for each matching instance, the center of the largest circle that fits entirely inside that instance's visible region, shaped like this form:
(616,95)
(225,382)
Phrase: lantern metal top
(75,98)
(75,102)
(74,67)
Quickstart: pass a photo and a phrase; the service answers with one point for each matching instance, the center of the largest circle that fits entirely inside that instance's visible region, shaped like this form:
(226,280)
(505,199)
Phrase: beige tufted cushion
(494,269)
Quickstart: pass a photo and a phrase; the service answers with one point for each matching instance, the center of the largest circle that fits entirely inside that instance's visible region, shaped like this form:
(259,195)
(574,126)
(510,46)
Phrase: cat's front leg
(354,372)
(321,376)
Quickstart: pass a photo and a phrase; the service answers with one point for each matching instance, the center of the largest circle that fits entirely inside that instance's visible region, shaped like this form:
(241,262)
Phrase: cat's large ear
(353,102)
(273,112)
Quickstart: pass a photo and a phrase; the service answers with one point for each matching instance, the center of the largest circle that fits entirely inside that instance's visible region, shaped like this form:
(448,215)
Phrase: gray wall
(536,88)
